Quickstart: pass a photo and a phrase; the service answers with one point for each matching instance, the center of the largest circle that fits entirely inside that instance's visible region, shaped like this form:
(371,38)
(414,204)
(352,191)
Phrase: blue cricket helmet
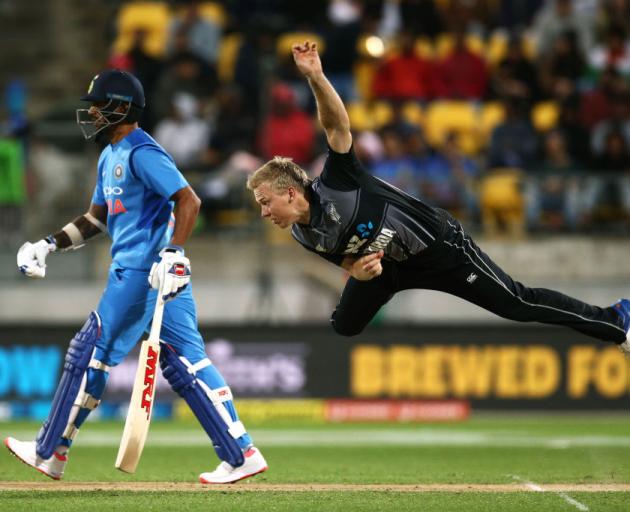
(122,98)
(114,84)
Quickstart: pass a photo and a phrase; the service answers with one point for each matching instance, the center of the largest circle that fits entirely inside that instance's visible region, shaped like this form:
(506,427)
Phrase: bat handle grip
(156,324)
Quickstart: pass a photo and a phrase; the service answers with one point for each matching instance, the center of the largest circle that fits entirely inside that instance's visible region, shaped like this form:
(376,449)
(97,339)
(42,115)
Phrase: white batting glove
(31,258)
(171,273)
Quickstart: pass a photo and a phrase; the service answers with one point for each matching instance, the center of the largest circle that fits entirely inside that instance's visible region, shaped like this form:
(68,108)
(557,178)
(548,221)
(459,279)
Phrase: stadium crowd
(514,114)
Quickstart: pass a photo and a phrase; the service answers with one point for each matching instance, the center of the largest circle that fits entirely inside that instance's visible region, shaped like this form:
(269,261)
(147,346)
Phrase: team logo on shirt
(118,171)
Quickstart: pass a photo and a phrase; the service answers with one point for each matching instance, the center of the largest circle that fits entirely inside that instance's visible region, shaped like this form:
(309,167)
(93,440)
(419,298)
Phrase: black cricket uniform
(354,213)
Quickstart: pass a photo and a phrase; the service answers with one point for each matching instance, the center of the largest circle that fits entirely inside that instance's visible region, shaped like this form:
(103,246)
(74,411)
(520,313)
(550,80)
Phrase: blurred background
(512,114)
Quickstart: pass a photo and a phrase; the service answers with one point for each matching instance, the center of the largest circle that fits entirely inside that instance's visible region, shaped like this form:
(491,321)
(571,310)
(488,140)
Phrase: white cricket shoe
(25,451)
(225,474)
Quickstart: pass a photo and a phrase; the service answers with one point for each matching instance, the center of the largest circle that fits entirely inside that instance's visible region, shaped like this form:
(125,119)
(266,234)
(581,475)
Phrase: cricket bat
(142,396)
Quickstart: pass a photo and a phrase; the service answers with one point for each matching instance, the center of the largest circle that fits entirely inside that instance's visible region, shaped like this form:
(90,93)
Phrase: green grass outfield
(499,462)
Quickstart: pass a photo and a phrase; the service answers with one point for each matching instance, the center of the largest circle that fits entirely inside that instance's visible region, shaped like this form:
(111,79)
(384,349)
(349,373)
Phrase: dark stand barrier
(499,366)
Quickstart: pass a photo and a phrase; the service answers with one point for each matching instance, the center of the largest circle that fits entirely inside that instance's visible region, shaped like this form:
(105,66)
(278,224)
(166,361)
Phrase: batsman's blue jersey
(136,178)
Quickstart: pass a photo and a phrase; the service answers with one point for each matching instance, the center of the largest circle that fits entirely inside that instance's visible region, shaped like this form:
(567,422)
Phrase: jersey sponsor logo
(354,244)
(113,191)
(118,172)
(114,207)
(365,230)
(382,240)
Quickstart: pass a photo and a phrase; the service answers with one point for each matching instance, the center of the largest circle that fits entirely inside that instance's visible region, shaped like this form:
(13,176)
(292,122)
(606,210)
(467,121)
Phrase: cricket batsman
(142,200)
(389,241)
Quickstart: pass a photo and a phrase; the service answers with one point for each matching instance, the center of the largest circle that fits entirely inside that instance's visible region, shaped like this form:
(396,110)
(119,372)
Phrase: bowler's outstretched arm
(330,109)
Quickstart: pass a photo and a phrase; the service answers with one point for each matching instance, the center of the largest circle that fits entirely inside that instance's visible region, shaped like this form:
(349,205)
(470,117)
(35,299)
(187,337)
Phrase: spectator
(185,72)
(516,15)
(145,67)
(513,142)
(340,35)
(473,16)
(287,131)
(556,157)
(554,194)
(448,176)
(596,105)
(204,36)
(404,75)
(558,17)
(516,75)
(618,121)
(368,147)
(613,13)
(615,156)
(279,15)
(16,125)
(562,67)
(255,62)
(608,194)
(234,127)
(576,137)
(397,167)
(183,134)
(462,74)
(614,54)
(419,17)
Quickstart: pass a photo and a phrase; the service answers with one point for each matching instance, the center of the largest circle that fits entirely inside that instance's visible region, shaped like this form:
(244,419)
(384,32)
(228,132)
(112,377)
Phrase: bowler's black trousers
(454,264)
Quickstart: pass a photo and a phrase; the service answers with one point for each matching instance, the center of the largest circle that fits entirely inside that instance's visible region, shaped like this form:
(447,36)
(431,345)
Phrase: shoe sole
(201,480)
(6,443)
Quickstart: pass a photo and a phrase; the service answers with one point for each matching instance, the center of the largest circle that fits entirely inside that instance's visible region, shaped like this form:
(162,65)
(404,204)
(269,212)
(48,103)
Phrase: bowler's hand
(307,59)
(366,267)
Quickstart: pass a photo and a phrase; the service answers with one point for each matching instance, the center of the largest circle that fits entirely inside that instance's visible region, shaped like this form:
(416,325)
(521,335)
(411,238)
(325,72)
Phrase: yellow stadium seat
(443,117)
(490,115)
(443,44)
(152,17)
(424,48)
(228,51)
(446,41)
(369,116)
(288,39)
(502,203)
(214,12)
(529,46)
(413,113)
(497,48)
(382,113)
(476,45)
(364,71)
(545,115)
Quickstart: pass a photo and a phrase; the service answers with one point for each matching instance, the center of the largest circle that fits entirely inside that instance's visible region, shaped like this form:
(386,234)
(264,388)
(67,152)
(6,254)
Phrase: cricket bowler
(389,241)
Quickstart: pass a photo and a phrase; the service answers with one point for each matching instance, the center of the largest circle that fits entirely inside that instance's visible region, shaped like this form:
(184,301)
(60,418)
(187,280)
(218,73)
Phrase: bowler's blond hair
(280,173)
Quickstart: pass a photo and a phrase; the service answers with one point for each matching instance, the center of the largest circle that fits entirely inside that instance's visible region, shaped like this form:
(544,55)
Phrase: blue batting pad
(187,386)
(77,360)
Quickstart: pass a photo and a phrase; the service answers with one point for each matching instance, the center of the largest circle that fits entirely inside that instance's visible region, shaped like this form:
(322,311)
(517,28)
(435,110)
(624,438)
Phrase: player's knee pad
(207,404)
(72,392)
